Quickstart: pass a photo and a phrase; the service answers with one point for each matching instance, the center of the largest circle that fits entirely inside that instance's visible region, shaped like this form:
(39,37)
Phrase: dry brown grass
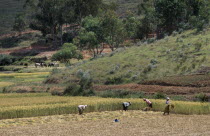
(102,123)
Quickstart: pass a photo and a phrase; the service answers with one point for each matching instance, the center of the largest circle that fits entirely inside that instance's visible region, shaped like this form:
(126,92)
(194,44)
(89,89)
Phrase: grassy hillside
(180,54)
(8,11)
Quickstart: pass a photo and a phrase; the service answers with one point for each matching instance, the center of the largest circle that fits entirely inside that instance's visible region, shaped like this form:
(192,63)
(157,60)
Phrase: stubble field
(102,123)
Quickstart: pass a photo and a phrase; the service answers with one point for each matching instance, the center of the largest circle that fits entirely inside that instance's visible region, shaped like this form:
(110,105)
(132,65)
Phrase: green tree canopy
(67,52)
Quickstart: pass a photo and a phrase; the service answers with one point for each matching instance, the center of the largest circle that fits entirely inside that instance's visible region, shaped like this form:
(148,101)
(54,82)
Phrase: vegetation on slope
(8,10)
(179,54)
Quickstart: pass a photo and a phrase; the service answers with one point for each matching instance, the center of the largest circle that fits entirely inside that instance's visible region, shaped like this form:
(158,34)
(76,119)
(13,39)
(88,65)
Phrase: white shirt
(82,107)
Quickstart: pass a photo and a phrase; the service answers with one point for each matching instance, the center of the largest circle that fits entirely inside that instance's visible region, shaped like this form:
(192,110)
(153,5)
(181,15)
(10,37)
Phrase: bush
(6,59)
(198,47)
(86,82)
(84,88)
(202,97)
(159,95)
(114,80)
(56,93)
(89,92)
(73,90)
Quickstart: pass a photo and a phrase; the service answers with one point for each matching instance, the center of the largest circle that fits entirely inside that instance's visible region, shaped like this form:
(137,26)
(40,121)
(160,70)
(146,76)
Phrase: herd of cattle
(51,64)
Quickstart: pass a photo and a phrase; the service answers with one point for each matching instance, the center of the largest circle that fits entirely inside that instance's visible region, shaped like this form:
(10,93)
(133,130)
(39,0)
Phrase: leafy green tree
(171,13)
(67,52)
(85,8)
(89,41)
(113,29)
(49,16)
(131,23)
(92,25)
(200,15)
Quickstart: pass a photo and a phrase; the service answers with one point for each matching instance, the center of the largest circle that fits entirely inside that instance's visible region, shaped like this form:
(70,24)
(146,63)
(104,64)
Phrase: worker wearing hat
(167,100)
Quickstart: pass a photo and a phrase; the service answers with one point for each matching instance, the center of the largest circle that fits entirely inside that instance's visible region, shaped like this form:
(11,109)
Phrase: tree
(19,24)
(67,52)
(171,13)
(92,25)
(200,15)
(89,41)
(113,29)
(148,21)
(85,8)
(50,15)
(131,23)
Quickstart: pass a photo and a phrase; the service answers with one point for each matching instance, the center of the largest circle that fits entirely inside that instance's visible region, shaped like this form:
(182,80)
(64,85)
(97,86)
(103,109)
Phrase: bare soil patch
(151,89)
(95,124)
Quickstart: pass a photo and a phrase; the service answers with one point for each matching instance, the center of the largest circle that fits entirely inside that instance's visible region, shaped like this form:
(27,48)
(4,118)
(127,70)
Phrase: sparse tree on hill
(113,29)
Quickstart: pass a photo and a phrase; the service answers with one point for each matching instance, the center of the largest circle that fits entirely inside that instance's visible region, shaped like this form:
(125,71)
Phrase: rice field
(8,79)
(43,104)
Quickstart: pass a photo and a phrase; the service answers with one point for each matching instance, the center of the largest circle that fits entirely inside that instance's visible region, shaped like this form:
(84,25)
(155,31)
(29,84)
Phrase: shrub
(86,82)
(198,47)
(114,69)
(89,92)
(202,97)
(73,90)
(79,73)
(114,80)
(6,59)
(153,61)
(151,40)
(174,33)
(56,93)
(159,95)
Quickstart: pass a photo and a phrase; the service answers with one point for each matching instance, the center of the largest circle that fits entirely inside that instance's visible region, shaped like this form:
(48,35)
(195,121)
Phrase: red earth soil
(151,89)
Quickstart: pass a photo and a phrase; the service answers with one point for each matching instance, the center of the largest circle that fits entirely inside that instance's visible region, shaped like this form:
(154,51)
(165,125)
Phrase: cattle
(43,65)
(37,65)
(53,64)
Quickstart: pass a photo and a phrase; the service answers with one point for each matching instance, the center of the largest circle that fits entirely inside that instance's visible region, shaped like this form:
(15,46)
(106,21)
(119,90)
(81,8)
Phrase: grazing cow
(26,64)
(43,64)
(56,65)
(126,105)
(52,64)
(81,108)
(37,64)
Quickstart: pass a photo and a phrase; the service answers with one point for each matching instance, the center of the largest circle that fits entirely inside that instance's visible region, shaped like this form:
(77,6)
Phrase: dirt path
(101,124)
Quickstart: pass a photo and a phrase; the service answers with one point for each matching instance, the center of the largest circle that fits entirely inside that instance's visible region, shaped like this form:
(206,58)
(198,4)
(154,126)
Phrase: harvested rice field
(133,123)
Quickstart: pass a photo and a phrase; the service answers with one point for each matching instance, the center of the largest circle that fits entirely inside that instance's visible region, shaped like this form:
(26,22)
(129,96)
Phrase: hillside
(9,9)
(180,54)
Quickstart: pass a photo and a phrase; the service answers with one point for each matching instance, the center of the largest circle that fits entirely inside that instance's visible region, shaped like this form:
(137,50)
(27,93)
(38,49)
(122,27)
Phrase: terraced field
(44,104)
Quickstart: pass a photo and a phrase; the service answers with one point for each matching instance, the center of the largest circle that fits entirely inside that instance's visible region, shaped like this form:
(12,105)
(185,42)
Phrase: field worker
(126,105)
(167,100)
(148,102)
(168,106)
(81,108)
